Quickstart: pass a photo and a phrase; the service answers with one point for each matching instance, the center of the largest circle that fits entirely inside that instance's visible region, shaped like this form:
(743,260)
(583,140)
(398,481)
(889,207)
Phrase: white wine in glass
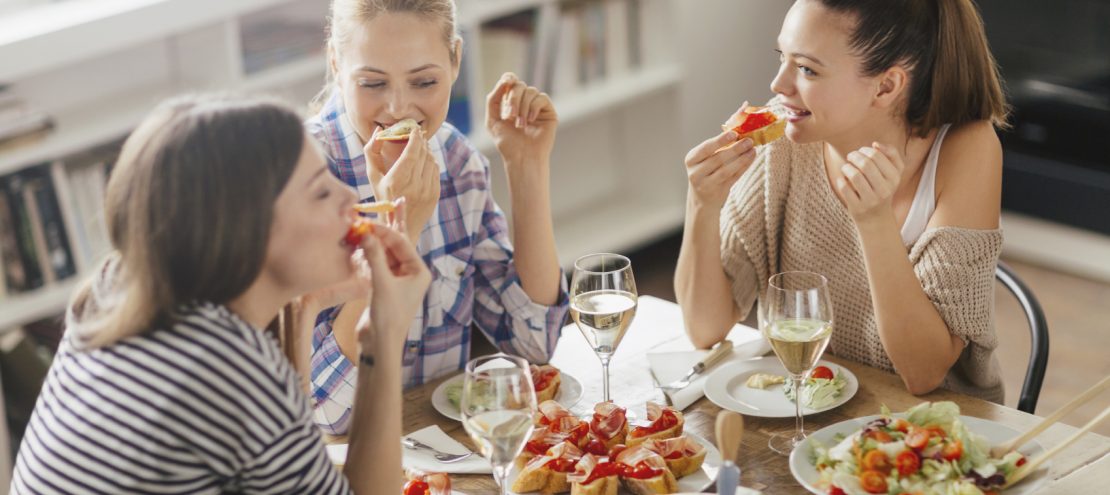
(603,303)
(497,405)
(796,317)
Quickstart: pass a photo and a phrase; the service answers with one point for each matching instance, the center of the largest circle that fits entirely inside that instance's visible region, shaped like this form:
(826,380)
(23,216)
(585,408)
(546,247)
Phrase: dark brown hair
(953,76)
(189,207)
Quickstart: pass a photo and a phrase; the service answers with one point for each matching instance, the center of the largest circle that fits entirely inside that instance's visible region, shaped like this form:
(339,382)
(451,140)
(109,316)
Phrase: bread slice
(765,135)
(685,466)
(672,432)
(601,486)
(543,480)
(664,483)
(774,129)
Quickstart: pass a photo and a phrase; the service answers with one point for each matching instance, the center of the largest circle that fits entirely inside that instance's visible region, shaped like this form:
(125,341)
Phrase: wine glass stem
(798,426)
(605,378)
(502,474)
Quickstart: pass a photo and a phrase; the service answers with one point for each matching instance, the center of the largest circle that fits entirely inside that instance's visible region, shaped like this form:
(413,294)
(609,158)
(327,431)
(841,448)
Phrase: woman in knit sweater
(862,191)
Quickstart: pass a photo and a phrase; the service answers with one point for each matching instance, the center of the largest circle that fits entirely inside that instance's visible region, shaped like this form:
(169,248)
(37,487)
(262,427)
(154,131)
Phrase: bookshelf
(613,128)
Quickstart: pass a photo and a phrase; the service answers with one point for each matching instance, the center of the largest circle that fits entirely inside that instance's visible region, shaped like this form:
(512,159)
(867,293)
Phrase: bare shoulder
(969,178)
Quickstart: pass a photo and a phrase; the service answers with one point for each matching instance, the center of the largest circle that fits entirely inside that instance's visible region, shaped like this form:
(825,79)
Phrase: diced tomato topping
(596,447)
(641,472)
(873,481)
(953,451)
(907,462)
(1020,462)
(900,425)
(357,231)
(542,380)
(416,487)
(876,460)
(835,490)
(822,372)
(561,465)
(917,438)
(536,447)
(604,470)
(674,455)
(755,121)
(666,420)
(578,433)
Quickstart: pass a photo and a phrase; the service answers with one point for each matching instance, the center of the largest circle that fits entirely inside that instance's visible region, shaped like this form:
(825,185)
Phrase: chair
(1038,333)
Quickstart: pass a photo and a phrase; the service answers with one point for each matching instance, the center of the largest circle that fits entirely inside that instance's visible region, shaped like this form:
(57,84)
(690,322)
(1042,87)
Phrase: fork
(722,349)
(443,457)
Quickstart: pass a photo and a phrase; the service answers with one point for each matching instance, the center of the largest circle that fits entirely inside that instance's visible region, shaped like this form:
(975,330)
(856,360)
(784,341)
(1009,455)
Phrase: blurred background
(636,83)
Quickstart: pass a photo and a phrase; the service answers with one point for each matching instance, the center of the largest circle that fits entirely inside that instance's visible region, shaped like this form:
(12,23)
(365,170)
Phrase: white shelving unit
(616,173)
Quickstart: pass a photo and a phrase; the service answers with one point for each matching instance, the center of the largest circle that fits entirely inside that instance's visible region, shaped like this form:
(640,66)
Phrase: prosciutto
(608,421)
(684,446)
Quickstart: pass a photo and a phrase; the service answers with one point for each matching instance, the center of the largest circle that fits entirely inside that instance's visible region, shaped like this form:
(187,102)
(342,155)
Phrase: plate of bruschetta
(605,455)
(549,382)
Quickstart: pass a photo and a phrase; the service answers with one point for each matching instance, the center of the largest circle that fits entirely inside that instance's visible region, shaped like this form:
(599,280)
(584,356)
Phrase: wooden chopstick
(1083,398)
(1031,466)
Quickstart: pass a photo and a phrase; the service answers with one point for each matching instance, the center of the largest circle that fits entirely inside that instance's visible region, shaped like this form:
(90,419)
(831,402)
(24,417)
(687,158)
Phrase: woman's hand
(414,175)
(713,166)
(522,122)
(871,176)
(400,279)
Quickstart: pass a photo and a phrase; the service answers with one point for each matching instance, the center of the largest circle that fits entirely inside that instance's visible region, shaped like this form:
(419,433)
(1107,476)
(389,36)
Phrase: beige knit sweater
(782,215)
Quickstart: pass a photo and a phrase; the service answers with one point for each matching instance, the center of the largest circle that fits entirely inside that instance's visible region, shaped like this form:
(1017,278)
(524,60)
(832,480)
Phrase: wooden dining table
(1077,469)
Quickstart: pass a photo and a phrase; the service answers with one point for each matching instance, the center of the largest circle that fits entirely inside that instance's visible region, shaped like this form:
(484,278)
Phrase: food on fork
(609,424)
(376,207)
(421,483)
(548,473)
(594,475)
(761,124)
(399,131)
(645,472)
(359,229)
(926,450)
(666,422)
(546,380)
(684,456)
(764,380)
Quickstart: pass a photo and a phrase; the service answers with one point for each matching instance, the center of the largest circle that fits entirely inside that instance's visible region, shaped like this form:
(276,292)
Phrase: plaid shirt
(466,245)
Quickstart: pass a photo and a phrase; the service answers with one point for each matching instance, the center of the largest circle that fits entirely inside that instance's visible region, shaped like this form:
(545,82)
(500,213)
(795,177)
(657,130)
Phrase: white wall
(727,52)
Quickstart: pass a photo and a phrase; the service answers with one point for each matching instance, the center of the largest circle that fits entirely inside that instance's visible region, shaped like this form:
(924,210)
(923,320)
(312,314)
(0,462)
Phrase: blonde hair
(349,15)
(189,207)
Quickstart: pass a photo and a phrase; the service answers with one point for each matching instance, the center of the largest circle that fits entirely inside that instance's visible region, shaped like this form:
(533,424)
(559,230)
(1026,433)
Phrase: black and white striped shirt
(209,405)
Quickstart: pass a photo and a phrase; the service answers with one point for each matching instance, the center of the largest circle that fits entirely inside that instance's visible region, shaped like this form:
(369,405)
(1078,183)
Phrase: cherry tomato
(596,447)
(879,436)
(872,481)
(917,438)
(822,372)
(936,431)
(953,451)
(908,462)
(642,472)
(876,460)
(416,487)
(1020,462)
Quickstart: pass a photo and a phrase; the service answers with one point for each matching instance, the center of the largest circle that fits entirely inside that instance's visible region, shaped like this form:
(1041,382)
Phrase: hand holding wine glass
(796,317)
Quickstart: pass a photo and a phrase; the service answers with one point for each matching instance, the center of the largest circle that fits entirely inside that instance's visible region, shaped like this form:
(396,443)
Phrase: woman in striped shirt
(221,212)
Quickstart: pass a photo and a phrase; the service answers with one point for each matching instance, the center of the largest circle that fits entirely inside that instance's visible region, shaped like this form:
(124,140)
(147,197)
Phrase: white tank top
(925,199)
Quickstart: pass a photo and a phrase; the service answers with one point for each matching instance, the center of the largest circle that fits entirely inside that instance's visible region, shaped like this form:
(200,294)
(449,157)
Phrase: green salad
(927,451)
(820,390)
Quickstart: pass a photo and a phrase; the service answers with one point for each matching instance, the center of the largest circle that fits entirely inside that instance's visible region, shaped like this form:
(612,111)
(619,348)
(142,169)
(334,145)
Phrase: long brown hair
(189,207)
(349,15)
(953,75)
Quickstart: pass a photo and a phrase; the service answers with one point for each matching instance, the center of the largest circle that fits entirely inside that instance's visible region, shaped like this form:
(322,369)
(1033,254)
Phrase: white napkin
(424,460)
(670,366)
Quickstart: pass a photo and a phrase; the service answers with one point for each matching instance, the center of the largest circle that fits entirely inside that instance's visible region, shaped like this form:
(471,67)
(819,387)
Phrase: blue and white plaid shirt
(466,244)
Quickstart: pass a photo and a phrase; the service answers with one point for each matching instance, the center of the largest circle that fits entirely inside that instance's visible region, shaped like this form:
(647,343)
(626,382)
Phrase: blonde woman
(391,60)
(221,212)
(889,183)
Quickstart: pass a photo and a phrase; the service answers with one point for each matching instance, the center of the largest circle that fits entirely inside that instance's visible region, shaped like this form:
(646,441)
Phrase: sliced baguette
(664,483)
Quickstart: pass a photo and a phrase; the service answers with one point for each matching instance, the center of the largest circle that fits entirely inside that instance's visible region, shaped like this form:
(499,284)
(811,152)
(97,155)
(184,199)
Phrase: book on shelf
(13,189)
(58,257)
(594,41)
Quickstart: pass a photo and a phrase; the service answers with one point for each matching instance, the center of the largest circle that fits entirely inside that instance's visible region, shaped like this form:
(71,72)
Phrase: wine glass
(796,317)
(497,405)
(603,303)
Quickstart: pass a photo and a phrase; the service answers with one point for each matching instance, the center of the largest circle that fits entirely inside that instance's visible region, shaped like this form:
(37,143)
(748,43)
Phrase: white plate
(695,482)
(726,388)
(570,390)
(801,460)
